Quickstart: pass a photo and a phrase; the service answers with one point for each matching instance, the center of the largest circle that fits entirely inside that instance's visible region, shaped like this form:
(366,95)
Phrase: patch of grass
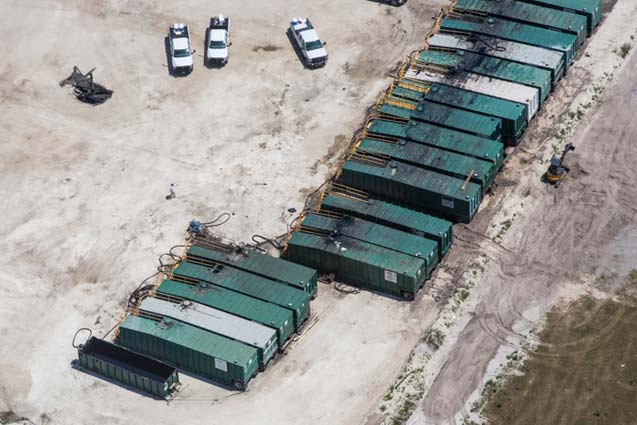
(585,348)
(504,227)
(434,338)
(403,413)
(624,49)
(632,276)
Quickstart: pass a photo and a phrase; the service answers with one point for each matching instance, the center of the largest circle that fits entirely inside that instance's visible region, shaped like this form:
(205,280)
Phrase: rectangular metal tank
(513,31)
(528,13)
(273,268)
(198,269)
(511,114)
(360,264)
(488,66)
(539,57)
(375,234)
(439,137)
(191,349)
(218,322)
(591,9)
(428,191)
(529,96)
(433,159)
(127,367)
(394,216)
(442,115)
(278,318)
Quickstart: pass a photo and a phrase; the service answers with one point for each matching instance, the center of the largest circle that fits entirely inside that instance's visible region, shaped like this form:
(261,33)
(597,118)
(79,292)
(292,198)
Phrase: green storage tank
(491,67)
(412,186)
(538,57)
(512,114)
(375,234)
(395,216)
(191,349)
(278,318)
(252,261)
(439,137)
(444,116)
(359,263)
(528,13)
(513,31)
(245,283)
(590,9)
(128,368)
(433,159)
(215,321)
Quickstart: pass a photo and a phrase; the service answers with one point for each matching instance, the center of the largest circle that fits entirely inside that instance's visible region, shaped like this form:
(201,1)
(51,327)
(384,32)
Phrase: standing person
(172,191)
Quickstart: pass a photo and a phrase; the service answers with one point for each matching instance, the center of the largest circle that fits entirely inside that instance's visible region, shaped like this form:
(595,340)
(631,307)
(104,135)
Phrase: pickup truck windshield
(313,45)
(217,44)
(181,53)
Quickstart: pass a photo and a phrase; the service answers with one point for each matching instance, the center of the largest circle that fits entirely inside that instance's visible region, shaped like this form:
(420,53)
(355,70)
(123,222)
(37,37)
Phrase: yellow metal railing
(349,192)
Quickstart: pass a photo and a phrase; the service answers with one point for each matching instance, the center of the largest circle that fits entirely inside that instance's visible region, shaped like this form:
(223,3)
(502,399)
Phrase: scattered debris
(85,89)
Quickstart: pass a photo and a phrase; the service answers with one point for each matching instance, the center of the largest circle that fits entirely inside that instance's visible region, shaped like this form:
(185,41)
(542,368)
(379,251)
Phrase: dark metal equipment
(557,170)
(85,89)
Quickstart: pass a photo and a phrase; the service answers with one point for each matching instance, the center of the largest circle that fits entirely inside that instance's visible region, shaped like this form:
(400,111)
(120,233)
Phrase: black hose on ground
(220,220)
(90,334)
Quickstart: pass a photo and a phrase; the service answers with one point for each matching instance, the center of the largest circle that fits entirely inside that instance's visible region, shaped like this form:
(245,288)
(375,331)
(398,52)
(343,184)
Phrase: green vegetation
(434,338)
(624,49)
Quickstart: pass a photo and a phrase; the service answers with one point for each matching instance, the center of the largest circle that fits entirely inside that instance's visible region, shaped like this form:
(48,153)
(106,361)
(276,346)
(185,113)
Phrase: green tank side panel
(245,283)
(401,218)
(189,348)
(434,159)
(528,34)
(265,313)
(527,13)
(430,113)
(440,137)
(512,114)
(492,67)
(375,234)
(448,117)
(273,268)
(591,9)
(411,186)
(359,263)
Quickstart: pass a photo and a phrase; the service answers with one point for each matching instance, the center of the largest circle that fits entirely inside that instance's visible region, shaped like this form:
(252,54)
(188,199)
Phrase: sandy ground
(561,242)
(84,214)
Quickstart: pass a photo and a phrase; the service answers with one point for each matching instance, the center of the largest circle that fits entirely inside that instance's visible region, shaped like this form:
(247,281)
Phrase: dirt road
(561,241)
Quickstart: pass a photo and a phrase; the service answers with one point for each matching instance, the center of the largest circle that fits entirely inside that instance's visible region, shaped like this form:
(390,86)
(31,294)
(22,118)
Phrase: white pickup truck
(217,41)
(308,42)
(180,52)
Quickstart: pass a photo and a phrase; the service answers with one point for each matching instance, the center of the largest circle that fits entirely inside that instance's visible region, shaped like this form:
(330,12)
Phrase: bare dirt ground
(84,214)
(544,244)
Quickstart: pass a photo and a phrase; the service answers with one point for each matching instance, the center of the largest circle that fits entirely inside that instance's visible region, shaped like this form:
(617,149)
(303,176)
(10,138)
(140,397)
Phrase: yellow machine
(557,170)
